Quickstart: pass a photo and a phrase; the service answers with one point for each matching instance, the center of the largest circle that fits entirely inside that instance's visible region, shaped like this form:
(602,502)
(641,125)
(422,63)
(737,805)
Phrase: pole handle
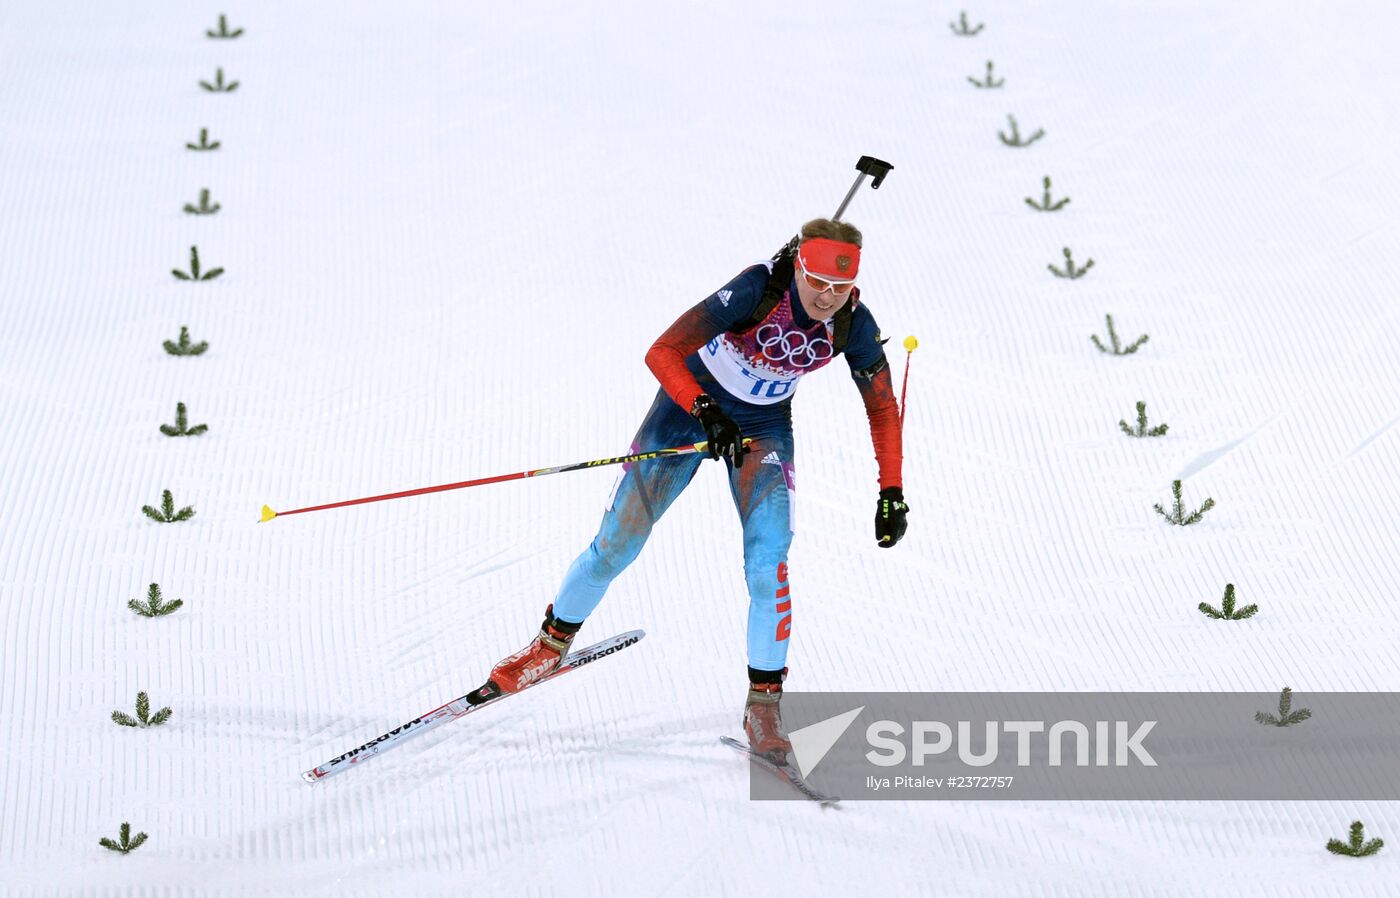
(869,167)
(875,168)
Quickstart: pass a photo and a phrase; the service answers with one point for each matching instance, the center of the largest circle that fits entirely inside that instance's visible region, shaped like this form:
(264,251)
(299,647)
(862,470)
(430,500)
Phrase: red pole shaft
(405,493)
(687,449)
(904,390)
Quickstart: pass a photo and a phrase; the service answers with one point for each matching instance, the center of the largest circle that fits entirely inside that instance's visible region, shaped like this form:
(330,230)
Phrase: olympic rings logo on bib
(793,347)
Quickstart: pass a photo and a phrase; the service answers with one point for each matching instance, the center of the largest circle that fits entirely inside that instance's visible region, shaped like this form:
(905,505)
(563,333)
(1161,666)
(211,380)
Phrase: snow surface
(451,231)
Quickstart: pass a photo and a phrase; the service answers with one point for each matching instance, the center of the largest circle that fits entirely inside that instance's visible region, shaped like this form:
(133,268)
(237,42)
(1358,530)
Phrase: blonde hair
(830,230)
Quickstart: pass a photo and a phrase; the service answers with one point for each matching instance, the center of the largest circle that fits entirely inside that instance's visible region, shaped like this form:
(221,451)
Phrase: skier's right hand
(725,438)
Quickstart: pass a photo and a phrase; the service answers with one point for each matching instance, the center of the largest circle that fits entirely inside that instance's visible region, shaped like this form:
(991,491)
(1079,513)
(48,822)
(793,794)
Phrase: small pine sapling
(1015,139)
(1355,848)
(126,842)
(1142,429)
(223,31)
(154,605)
(204,143)
(1286,716)
(167,513)
(203,208)
(1227,607)
(1071,271)
(1178,514)
(960,27)
(181,427)
(218,86)
(990,81)
(194,274)
(1047,204)
(1113,337)
(143,716)
(183,346)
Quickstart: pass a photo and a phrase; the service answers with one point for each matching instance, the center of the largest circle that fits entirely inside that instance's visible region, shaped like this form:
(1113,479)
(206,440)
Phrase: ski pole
(910,344)
(688,449)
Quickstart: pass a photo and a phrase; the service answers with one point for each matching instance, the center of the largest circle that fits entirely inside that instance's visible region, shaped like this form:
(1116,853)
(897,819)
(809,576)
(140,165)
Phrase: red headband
(830,258)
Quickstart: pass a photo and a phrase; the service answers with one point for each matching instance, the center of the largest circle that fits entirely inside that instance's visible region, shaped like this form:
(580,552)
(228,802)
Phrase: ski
(785,772)
(460,707)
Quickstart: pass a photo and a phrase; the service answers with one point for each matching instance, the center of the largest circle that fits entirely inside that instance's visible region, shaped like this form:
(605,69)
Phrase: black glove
(889,517)
(721,431)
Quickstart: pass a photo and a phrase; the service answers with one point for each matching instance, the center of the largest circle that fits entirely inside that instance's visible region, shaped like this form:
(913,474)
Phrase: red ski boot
(763,720)
(540,657)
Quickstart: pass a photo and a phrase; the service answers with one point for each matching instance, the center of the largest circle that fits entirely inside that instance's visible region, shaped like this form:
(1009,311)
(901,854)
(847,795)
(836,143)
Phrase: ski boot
(763,720)
(538,659)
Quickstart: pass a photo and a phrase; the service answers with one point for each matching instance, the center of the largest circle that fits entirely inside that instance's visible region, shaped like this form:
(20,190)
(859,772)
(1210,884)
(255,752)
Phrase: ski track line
(1201,462)
(1385,428)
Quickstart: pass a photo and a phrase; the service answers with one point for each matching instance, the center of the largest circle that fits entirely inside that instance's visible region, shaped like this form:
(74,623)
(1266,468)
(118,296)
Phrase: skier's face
(818,295)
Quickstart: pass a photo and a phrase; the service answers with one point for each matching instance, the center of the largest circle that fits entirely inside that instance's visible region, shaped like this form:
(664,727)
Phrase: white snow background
(450,232)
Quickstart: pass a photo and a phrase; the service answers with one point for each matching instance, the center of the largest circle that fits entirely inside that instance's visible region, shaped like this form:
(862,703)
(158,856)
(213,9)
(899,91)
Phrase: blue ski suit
(752,375)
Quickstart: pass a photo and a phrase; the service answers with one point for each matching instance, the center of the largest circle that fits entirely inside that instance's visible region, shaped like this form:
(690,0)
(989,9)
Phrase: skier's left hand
(890,522)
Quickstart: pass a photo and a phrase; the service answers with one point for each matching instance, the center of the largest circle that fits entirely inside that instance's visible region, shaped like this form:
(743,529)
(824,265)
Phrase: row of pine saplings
(1356,846)
(1178,513)
(1073,271)
(155,604)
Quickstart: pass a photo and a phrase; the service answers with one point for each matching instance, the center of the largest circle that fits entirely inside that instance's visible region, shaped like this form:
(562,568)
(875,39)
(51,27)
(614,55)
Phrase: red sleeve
(883,412)
(667,355)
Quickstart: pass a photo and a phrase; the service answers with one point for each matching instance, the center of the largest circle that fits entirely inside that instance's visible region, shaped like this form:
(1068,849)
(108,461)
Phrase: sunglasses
(821,285)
